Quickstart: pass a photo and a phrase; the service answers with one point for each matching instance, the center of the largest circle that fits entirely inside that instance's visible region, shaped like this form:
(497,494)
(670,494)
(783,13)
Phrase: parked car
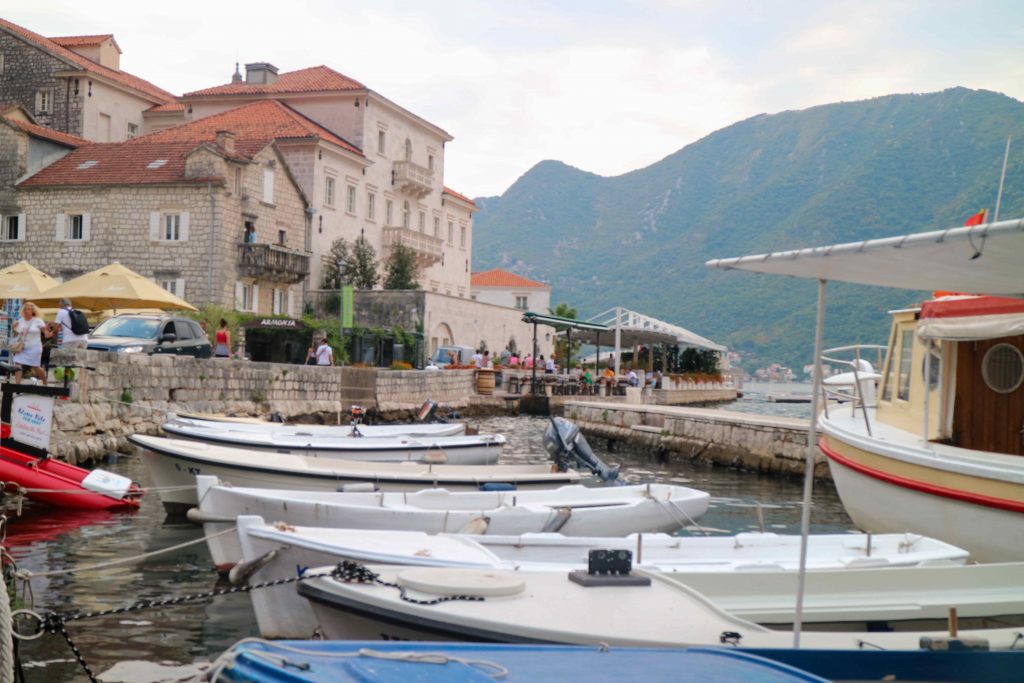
(152,334)
(446,355)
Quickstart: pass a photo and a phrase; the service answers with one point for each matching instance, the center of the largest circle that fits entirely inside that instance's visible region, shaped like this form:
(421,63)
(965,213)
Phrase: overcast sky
(604,86)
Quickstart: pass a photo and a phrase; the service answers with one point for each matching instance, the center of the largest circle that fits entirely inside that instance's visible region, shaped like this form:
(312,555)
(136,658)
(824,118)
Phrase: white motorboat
(326,431)
(490,605)
(174,464)
(715,566)
(938,450)
(569,510)
(478,449)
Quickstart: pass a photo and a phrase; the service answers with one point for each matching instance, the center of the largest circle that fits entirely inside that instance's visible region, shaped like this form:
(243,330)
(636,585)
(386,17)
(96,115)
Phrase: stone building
(210,210)
(393,193)
(74,84)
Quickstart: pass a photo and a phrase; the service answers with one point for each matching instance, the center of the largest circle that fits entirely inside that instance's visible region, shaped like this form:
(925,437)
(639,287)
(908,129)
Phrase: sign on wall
(31,419)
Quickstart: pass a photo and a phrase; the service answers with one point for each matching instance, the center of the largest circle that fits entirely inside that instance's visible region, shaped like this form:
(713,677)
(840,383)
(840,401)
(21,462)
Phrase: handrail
(858,400)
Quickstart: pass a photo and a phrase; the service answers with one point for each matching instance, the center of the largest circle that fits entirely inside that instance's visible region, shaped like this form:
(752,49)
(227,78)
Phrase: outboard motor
(355,414)
(428,412)
(568,447)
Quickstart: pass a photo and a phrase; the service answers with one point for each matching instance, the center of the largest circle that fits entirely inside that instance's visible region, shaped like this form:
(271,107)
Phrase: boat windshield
(140,328)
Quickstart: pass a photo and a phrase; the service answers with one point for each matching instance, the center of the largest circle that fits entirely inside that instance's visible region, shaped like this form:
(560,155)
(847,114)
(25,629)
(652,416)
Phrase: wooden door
(984,419)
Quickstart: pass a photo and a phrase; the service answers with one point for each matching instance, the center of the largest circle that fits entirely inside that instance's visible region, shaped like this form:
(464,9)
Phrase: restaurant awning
(637,329)
(982,259)
(562,323)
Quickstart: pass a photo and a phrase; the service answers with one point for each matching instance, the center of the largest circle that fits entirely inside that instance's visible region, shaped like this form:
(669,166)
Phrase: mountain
(833,173)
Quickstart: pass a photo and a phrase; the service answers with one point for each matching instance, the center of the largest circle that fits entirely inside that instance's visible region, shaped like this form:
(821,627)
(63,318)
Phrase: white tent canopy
(984,259)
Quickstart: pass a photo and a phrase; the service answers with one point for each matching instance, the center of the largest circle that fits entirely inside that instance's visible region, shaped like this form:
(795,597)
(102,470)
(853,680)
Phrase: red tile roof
(255,126)
(82,41)
(313,79)
(453,193)
(502,278)
(38,131)
(58,50)
(170,106)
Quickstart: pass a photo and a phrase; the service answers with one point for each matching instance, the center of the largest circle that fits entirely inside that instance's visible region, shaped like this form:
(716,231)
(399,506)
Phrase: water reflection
(43,541)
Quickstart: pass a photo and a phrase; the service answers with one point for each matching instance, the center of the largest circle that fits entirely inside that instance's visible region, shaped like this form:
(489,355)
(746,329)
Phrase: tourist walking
(27,344)
(71,327)
(324,353)
(549,367)
(222,340)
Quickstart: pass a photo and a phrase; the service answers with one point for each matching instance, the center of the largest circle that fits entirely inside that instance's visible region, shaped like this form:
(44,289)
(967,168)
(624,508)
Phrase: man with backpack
(72,325)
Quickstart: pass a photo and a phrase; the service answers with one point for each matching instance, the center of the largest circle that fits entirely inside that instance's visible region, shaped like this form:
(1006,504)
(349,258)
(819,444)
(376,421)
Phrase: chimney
(237,76)
(260,73)
(226,140)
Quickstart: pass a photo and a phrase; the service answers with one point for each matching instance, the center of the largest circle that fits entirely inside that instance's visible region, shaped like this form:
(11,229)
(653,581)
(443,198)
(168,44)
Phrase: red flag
(976,219)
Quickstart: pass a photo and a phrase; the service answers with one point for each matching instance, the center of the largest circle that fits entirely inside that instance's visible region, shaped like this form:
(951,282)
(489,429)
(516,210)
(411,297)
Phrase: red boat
(58,483)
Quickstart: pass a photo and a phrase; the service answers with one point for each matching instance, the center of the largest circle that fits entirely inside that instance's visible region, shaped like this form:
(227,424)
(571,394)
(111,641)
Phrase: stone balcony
(413,179)
(272,262)
(426,247)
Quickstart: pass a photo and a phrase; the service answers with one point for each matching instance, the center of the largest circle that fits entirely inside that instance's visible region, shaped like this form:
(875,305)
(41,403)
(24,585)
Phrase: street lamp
(341,300)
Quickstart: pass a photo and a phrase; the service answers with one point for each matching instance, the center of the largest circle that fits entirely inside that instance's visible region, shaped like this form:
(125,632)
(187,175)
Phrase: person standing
(549,366)
(477,358)
(324,353)
(65,328)
(222,340)
(27,344)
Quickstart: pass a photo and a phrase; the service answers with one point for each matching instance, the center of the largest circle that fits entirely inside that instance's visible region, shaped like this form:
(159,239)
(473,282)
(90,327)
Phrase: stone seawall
(750,442)
(121,394)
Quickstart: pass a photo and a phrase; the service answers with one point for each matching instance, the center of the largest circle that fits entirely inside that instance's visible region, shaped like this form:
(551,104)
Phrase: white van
(447,355)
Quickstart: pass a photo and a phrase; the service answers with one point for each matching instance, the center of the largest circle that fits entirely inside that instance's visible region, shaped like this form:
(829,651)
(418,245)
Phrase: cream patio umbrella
(22,280)
(113,286)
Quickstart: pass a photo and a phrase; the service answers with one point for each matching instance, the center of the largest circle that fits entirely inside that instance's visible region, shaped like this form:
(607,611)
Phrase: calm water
(46,541)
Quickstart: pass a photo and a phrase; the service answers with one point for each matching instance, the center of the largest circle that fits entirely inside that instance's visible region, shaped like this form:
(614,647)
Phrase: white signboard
(31,418)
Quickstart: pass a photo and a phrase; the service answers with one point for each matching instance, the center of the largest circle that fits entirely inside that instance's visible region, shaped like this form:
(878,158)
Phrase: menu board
(31,419)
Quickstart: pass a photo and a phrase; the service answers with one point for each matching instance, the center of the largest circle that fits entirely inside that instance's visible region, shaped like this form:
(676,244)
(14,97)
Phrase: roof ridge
(295,112)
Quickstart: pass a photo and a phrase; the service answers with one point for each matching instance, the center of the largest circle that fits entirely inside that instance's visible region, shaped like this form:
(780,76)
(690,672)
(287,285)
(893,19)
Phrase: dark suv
(152,334)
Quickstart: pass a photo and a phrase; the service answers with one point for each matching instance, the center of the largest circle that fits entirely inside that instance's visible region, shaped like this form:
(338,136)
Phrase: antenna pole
(1002,178)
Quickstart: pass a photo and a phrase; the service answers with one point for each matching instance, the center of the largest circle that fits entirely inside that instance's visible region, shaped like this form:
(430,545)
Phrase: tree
(401,270)
(364,265)
(564,310)
(337,255)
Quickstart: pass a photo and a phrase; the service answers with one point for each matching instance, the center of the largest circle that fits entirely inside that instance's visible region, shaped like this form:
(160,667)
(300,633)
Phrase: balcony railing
(414,179)
(426,247)
(272,262)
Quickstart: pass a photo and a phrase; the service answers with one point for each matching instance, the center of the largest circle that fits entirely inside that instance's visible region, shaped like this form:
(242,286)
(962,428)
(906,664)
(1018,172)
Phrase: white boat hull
(710,565)
(174,465)
(331,431)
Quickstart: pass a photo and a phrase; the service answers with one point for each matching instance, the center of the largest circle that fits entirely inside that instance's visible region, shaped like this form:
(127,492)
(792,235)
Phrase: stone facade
(28,71)
(124,222)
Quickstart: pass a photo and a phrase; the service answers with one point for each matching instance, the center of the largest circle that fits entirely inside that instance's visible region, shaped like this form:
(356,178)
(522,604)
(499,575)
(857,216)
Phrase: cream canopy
(113,286)
(22,280)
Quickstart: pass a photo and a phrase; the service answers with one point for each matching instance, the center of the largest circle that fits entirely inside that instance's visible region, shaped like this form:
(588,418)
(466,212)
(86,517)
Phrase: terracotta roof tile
(255,126)
(503,278)
(82,41)
(453,193)
(54,48)
(43,132)
(312,79)
(170,106)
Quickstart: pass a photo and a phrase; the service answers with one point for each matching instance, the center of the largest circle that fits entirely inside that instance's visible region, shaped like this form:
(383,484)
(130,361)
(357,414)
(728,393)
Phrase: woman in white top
(30,329)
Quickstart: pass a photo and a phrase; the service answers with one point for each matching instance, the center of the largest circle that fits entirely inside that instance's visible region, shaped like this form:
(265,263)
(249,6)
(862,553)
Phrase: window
(133,130)
(408,149)
(44,101)
(329,191)
(75,227)
(282,237)
(238,181)
(437,227)
(1002,368)
(371,206)
(247,300)
(11,228)
(382,139)
(521,303)
(278,301)
(906,352)
(268,185)
(388,211)
(405,213)
(1,64)
(451,233)
(462,236)
(176,286)
(172,227)
(182,329)
(350,199)
(430,162)
(423,221)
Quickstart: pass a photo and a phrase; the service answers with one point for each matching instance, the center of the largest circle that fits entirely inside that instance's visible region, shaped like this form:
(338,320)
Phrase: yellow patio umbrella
(113,286)
(24,281)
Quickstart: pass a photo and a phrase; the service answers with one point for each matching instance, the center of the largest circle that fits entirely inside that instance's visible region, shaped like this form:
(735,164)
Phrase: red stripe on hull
(913,484)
